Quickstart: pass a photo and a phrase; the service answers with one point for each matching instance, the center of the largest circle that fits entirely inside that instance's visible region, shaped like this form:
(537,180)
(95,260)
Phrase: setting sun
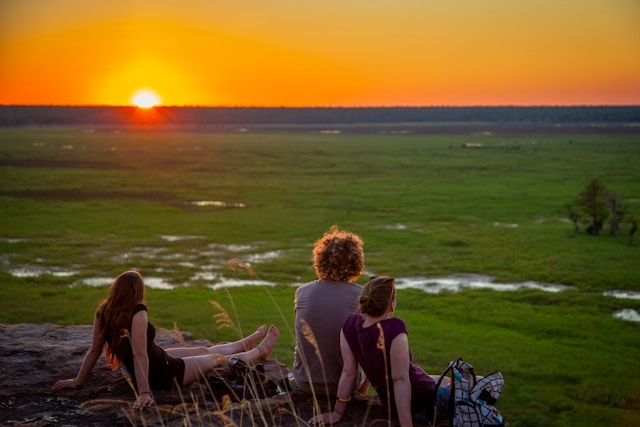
(410,53)
(145,98)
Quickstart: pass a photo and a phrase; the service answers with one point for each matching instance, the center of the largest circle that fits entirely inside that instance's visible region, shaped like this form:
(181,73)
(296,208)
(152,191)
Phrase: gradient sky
(321,53)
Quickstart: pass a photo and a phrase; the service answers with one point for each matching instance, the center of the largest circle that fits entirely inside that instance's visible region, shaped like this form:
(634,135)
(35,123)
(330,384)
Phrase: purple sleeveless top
(364,343)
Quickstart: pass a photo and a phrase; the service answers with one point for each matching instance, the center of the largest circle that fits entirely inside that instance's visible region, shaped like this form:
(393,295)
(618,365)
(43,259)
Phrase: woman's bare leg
(196,367)
(182,352)
(200,365)
(247,343)
(263,350)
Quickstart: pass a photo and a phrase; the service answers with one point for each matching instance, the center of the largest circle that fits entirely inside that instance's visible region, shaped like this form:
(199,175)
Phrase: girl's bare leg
(196,367)
(182,352)
(263,350)
(247,343)
(200,365)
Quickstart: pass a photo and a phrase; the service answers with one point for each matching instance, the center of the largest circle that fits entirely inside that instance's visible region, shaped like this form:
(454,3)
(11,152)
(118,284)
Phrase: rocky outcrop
(33,357)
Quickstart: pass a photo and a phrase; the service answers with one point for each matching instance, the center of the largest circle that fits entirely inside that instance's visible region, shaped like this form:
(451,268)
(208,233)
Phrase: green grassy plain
(98,202)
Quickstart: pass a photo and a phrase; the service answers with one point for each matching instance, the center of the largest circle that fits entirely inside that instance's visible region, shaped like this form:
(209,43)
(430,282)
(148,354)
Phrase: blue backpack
(471,401)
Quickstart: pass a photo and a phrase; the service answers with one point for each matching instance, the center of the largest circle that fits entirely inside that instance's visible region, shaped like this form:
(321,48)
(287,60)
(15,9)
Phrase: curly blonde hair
(338,255)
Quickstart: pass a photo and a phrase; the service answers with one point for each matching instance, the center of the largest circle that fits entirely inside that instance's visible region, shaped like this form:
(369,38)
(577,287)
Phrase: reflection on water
(208,265)
(265,256)
(622,294)
(218,203)
(37,271)
(177,238)
(396,227)
(505,225)
(456,283)
(158,283)
(235,283)
(96,282)
(26,271)
(12,240)
(627,314)
(207,276)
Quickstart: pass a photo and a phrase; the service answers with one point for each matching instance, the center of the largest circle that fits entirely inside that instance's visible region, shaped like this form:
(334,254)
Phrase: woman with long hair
(121,328)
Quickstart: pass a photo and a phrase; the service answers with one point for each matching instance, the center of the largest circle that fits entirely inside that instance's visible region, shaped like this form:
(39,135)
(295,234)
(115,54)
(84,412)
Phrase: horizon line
(322,106)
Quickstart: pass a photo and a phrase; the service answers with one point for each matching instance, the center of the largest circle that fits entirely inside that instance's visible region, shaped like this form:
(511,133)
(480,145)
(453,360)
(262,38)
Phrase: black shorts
(165,375)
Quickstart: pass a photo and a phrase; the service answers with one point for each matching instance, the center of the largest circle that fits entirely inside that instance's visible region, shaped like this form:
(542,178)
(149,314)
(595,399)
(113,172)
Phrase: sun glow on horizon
(145,98)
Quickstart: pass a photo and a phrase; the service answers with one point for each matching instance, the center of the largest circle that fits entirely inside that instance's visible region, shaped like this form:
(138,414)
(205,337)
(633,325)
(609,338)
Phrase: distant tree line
(597,207)
(20,115)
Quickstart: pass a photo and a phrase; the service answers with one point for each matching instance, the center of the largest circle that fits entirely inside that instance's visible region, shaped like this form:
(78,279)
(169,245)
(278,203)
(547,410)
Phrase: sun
(145,98)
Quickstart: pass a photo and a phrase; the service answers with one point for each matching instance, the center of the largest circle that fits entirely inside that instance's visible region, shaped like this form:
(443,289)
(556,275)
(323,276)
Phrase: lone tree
(596,206)
(590,207)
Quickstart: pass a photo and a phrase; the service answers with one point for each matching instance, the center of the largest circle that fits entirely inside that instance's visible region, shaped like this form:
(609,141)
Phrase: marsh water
(213,273)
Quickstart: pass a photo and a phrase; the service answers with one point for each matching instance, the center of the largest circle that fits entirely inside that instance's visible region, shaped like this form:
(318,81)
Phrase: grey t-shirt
(323,305)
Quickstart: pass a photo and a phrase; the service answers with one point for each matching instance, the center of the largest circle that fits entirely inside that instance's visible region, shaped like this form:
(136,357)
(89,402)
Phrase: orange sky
(321,53)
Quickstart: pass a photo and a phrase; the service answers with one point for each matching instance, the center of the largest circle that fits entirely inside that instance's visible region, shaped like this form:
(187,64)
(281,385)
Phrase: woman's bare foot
(250,341)
(269,342)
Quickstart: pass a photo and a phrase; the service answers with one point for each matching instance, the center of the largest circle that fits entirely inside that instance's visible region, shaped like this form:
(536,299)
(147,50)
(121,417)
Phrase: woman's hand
(326,418)
(143,400)
(70,383)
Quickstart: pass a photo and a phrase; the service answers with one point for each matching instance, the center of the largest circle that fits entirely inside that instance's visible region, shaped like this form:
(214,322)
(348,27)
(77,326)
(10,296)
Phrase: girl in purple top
(378,342)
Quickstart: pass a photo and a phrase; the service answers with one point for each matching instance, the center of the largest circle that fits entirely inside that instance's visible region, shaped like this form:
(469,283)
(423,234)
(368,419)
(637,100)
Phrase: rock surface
(33,357)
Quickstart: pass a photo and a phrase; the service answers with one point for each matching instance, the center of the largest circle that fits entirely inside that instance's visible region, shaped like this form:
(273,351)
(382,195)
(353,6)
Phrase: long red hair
(114,314)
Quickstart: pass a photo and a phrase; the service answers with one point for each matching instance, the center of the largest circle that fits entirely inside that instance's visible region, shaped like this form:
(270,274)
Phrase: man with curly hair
(321,308)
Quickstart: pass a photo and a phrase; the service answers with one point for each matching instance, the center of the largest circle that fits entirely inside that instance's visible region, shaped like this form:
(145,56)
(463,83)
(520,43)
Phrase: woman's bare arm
(345,385)
(400,376)
(139,325)
(88,362)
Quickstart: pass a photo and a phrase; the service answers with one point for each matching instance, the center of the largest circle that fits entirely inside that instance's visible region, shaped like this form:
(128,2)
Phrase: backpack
(471,402)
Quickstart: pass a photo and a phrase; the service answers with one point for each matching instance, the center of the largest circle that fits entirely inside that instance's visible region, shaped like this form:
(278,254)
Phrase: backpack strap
(450,407)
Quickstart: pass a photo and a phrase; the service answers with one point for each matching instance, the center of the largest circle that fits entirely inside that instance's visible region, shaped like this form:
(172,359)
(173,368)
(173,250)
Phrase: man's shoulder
(354,286)
(320,288)
(305,287)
